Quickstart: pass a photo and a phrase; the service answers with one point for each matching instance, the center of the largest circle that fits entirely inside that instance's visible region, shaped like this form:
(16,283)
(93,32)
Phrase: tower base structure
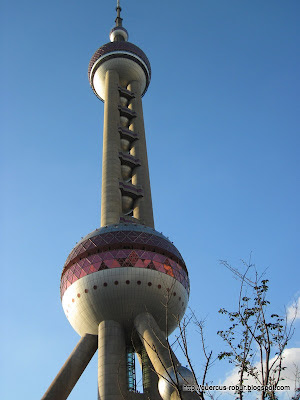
(165,375)
(124,288)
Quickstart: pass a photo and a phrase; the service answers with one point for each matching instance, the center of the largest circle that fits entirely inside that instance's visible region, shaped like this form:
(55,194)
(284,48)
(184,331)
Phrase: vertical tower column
(143,210)
(111,195)
(112,378)
(150,377)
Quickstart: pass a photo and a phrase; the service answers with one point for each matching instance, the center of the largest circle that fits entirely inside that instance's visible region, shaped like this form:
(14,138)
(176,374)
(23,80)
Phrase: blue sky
(222,125)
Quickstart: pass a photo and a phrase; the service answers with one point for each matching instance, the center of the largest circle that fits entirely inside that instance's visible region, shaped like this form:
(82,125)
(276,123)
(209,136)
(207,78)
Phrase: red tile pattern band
(118,46)
(123,258)
(120,239)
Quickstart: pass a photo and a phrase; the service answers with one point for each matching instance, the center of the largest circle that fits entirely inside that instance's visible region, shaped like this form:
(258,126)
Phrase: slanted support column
(162,358)
(71,371)
(111,167)
(143,208)
(155,343)
(112,378)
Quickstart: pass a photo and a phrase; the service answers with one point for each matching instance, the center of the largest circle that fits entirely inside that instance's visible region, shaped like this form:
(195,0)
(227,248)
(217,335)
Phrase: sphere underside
(120,271)
(121,294)
(127,69)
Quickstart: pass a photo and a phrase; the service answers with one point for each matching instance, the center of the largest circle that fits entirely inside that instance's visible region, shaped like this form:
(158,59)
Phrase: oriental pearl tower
(125,286)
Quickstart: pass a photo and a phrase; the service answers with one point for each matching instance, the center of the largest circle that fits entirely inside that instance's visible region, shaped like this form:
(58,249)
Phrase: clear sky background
(222,120)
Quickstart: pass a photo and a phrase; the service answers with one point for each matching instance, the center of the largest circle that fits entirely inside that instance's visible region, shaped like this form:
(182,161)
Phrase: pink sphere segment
(107,248)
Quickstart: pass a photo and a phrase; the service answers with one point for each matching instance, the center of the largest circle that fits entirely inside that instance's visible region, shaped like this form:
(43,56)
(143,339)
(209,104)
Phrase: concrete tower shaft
(126,192)
(119,73)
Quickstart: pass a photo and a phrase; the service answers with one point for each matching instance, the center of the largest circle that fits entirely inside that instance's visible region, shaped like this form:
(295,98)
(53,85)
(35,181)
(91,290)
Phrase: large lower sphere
(120,271)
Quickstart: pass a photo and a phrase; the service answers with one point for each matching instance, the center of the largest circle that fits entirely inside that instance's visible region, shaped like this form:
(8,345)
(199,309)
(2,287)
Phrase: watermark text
(235,388)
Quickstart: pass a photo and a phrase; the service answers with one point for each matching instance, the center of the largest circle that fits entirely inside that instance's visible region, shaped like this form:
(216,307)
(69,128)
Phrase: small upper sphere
(166,381)
(128,60)
(118,31)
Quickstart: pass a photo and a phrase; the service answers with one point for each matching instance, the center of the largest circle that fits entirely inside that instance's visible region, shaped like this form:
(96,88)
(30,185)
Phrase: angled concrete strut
(72,369)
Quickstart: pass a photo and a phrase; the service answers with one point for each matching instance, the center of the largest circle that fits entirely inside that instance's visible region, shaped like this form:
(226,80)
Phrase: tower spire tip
(118,19)
(118,33)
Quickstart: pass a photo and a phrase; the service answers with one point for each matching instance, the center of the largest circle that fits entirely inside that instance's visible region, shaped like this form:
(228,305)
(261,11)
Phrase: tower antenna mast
(118,19)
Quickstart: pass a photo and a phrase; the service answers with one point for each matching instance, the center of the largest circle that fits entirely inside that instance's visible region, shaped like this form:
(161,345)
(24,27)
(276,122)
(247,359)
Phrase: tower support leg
(71,371)
(112,379)
(154,341)
(161,355)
